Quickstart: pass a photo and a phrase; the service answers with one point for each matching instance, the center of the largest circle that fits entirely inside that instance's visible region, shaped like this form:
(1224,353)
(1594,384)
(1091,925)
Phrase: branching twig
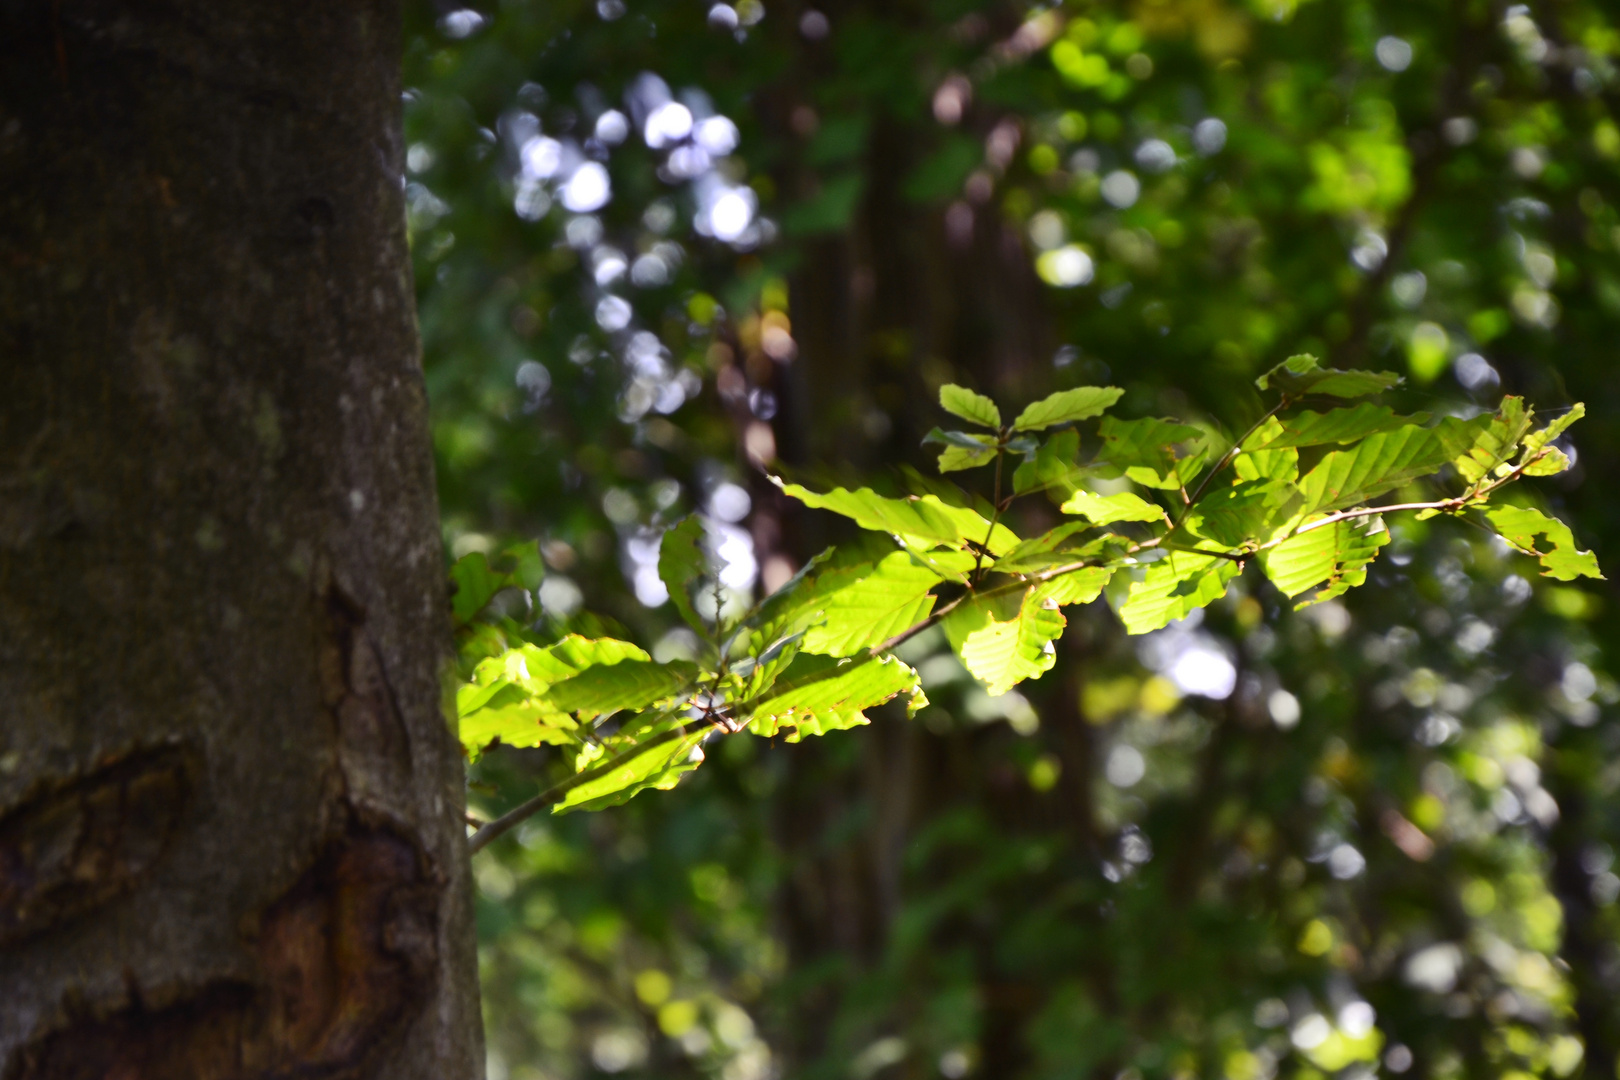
(557,792)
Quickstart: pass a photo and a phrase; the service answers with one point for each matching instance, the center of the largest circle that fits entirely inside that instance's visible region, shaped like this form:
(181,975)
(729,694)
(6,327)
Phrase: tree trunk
(231,838)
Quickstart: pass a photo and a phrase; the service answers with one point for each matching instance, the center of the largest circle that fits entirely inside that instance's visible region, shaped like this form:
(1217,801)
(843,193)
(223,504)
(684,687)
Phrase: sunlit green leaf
(1076,587)
(1235,515)
(1534,442)
(1497,442)
(1052,467)
(1107,509)
(1551,462)
(659,766)
(1004,652)
(818,694)
(1560,558)
(920,519)
(1334,556)
(1049,549)
(522,723)
(962,449)
(1174,587)
(874,607)
(629,684)
(974,408)
(1081,403)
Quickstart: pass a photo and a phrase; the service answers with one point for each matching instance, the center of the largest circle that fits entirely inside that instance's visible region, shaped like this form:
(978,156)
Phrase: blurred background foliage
(663,244)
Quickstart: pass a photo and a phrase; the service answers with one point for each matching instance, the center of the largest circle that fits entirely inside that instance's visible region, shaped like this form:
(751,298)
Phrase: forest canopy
(1176,295)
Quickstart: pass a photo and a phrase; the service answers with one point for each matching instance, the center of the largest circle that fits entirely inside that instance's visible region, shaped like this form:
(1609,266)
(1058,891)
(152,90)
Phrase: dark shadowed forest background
(661,245)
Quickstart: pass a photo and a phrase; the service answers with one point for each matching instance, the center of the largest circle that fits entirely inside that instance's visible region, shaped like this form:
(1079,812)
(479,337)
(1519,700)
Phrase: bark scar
(345,958)
(80,843)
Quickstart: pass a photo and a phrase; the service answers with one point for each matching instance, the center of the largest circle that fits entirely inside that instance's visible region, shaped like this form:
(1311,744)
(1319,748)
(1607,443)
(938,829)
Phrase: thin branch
(1226,459)
(557,792)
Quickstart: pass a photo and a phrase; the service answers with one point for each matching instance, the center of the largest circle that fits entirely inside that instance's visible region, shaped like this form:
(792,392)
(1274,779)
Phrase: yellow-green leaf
(1107,509)
(1004,652)
(923,520)
(818,694)
(1560,558)
(1333,556)
(1081,403)
(974,408)
(870,609)
(1173,588)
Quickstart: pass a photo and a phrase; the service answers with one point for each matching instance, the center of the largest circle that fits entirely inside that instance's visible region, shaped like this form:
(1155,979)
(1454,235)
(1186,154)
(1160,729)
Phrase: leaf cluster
(1167,513)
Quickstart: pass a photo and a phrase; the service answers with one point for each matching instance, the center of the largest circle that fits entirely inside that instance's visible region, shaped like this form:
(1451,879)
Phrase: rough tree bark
(230,807)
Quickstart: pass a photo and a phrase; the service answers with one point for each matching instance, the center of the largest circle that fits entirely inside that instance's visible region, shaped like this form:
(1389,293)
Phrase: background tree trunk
(230,807)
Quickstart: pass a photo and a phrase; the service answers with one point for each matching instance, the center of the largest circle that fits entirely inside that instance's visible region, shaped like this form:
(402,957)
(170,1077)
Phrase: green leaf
(962,450)
(573,654)
(476,585)
(800,603)
(1053,465)
(1081,403)
(1046,550)
(1281,463)
(1521,525)
(657,766)
(871,609)
(1551,462)
(921,520)
(1004,652)
(1534,443)
(1235,515)
(1155,453)
(818,694)
(1334,426)
(1301,374)
(629,684)
(1385,461)
(523,723)
(1496,443)
(505,697)
(476,581)
(1173,588)
(974,408)
(682,562)
(1335,556)
(1107,509)
(1077,586)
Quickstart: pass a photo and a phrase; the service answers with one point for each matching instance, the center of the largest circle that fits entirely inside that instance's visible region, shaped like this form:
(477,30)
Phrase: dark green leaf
(1300,375)
(1154,453)
(682,563)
